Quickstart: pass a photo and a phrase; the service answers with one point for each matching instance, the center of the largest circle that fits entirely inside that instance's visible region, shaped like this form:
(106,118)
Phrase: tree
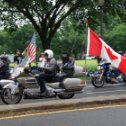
(117,37)
(110,9)
(45,15)
(4,42)
(69,39)
(18,39)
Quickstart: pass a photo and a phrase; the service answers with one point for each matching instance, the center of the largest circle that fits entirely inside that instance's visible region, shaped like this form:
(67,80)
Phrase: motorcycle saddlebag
(73,84)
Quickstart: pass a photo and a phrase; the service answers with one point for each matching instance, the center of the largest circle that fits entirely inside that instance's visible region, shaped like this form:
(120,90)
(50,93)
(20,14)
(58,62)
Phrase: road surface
(99,116)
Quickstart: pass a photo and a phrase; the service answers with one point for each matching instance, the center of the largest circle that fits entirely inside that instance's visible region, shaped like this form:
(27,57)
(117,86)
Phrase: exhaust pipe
(75,92)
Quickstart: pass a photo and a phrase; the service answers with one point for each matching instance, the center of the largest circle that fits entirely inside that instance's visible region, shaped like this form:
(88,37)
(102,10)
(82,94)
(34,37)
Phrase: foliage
(45,15)
(59,24)
(70,39)
(18,39)
(4,42)
(116,38)
(48,15)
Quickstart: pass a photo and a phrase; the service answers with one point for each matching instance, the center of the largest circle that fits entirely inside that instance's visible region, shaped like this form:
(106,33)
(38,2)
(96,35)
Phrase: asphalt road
(106,116)
(90,91)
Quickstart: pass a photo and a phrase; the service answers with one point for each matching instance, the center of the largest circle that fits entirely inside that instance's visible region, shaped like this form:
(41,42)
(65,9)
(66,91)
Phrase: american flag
(31,49)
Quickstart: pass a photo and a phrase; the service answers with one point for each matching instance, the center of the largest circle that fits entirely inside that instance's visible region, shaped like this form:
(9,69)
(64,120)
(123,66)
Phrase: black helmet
(4,59)
(65,57)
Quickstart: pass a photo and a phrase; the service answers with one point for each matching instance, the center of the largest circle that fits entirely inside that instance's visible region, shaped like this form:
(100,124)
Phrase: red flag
(31,49)
(97,47)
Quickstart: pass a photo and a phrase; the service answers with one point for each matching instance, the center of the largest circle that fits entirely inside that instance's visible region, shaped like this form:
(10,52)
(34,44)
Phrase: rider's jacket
(50,66)
(4,69)
(68,66)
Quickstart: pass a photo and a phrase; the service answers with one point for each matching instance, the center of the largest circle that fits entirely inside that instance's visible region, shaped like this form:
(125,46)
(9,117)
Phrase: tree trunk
(45,43)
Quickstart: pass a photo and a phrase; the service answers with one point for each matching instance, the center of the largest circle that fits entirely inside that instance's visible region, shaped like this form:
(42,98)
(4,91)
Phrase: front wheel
(97,82)
(66,96)
(9,98)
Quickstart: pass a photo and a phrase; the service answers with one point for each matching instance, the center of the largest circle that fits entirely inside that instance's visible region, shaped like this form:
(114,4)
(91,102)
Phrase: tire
(66,96)
(9,98)
(97,83)
(124,78)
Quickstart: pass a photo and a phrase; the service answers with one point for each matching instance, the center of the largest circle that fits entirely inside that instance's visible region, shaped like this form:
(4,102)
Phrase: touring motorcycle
(106,73)
(26,86)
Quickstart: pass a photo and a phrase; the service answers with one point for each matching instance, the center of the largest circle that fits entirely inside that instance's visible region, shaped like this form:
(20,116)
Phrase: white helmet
(49,52)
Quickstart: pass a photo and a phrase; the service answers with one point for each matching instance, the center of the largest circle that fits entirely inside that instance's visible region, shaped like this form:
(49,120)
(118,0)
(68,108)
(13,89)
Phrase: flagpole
(85,59)
(86,22)
(83,21)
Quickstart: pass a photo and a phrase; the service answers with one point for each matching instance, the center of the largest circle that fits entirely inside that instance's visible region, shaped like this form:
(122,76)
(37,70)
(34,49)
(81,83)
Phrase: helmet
(65,56)
(120,52)
(26,69)
(49,53)
(4,59)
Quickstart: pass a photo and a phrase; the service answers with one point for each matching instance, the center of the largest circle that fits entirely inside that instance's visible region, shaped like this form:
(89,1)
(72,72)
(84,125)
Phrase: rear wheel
(66,96)
(9,98)
(98,82)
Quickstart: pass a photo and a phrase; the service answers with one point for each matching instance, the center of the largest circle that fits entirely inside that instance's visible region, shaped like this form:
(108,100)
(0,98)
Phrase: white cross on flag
(97,47)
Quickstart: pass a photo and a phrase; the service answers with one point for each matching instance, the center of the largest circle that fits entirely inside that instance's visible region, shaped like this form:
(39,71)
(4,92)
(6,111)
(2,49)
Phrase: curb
(62,104)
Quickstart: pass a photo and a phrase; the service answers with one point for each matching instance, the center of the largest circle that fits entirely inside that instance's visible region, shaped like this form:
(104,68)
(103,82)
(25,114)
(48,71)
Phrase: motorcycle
(106,73)
(26,86)
(13,72)
(4,68)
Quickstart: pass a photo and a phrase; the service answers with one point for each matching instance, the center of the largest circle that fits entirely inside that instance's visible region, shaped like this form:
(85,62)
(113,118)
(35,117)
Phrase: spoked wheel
(66,96)
(98,82)
(9,98)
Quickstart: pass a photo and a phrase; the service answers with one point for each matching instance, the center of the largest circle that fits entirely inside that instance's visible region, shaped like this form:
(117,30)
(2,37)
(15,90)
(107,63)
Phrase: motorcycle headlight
(111,67)
(98,67)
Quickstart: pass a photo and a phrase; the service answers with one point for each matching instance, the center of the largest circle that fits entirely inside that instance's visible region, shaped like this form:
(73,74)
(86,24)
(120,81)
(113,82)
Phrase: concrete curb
(60,104)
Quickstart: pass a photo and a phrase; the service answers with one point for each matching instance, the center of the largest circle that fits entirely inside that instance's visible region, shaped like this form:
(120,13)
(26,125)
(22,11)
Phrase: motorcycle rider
(67,65)
(49,71)
(109,71)
(4,67)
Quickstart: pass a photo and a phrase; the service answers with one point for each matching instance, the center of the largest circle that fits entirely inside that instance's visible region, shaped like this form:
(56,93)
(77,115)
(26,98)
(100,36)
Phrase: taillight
(82,82)
(84,70)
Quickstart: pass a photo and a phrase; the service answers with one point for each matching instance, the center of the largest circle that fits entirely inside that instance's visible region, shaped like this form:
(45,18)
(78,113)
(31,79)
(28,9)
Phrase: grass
(89,65)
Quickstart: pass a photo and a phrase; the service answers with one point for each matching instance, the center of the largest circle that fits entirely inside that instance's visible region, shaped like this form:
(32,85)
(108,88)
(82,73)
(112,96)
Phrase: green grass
(90,64)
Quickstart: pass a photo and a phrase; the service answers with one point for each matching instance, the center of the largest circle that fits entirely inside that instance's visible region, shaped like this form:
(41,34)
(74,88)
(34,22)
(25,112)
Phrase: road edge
(62,104)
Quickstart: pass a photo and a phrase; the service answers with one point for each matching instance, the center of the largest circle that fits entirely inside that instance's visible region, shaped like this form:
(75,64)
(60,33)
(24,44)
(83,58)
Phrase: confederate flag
(97,47)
